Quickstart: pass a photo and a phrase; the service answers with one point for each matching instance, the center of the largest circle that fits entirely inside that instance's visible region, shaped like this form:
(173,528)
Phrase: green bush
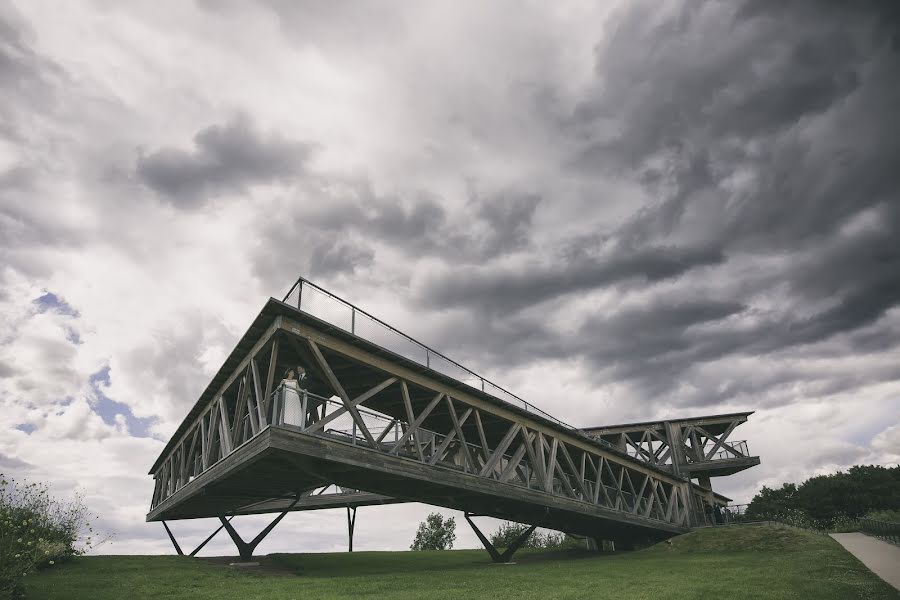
(844,524)
(508,532)
(796,518)
(888,516)
(435,533)
(38,531)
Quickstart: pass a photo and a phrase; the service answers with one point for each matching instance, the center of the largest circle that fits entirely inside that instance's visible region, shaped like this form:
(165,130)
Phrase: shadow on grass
(331,565)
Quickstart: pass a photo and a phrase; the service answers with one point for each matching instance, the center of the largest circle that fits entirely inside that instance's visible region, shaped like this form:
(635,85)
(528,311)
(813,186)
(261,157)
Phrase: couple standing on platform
(292,389)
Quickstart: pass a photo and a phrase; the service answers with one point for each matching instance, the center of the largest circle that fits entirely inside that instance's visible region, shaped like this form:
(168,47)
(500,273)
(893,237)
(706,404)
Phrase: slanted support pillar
(507,554)
(174,541)
(351,524)
(245,549)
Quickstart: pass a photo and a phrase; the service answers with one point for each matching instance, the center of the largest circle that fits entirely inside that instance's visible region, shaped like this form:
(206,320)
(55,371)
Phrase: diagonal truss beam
(321,423)
(414,426)
(719,441)
(407,406)
(494,458)
(457,429)
(339,390)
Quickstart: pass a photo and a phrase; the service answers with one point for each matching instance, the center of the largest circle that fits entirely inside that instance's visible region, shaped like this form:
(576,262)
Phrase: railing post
(303,409)
(353,320)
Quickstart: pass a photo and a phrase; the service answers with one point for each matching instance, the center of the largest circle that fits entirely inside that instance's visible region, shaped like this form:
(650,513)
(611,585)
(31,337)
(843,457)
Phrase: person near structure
(292,389)
(720,518)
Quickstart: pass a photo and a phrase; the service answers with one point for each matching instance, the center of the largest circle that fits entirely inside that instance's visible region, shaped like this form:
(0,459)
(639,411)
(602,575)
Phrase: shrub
(844,524)
(435,533)
(795,517)
(508,532)
(888,516)
(37,531)
(556,540)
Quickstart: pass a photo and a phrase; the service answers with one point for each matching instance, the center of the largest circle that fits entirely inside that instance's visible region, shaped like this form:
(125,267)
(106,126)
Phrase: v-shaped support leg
(198,548)
(245,549)
(507,554)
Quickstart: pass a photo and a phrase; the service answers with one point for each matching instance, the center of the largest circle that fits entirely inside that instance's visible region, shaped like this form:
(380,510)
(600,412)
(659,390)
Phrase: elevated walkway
(389,422)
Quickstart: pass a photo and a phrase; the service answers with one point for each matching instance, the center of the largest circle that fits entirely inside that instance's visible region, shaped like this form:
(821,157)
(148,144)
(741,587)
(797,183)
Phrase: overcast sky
(619,211)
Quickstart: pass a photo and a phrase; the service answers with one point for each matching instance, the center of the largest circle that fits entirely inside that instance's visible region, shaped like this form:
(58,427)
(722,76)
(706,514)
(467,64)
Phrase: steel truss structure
(375,427)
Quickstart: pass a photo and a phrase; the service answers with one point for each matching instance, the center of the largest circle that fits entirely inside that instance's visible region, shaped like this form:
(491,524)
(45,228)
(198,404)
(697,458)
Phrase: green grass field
(729,563)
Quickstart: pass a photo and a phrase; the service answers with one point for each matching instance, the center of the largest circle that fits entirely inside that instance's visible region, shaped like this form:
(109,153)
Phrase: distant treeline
(826,499)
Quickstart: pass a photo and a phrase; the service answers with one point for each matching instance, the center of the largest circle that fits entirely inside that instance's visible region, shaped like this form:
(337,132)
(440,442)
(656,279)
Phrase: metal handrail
(889,532)
(301,281)
(739,447)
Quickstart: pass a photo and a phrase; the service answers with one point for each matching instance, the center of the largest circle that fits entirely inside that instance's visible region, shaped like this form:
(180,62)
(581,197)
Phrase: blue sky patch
(107,408)
(50,301)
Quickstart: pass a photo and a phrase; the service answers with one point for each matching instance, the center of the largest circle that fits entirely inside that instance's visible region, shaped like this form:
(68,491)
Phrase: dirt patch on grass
(267,567)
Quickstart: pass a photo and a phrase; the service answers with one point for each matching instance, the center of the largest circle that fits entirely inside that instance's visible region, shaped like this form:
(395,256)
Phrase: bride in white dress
(292,407)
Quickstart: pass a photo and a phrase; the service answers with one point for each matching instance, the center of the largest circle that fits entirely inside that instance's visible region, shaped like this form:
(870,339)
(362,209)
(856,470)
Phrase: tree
(826,499)
(770,502)
(435,533)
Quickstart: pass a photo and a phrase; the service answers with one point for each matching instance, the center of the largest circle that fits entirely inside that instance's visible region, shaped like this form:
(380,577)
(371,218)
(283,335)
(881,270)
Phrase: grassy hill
(733,563)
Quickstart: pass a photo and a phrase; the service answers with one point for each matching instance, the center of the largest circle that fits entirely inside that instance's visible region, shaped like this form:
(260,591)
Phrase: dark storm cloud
(508,219)
(489,225)
(765,132)
(798,107)
(225,158)
(330,257)
(500,290)
(28,81)
(340,229)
